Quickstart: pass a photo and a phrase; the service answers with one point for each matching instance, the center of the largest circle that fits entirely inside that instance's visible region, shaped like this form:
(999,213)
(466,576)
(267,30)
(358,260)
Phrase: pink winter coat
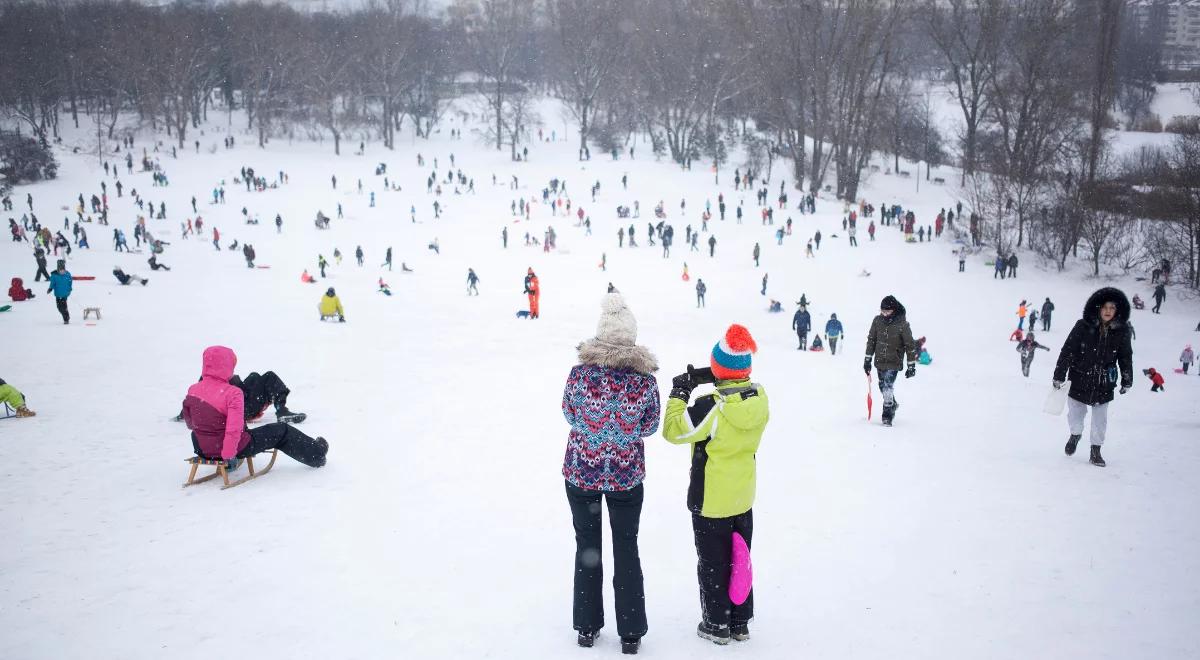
(214,409)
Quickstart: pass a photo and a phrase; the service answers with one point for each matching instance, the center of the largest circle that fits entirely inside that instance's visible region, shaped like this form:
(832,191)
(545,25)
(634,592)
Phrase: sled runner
(197,461)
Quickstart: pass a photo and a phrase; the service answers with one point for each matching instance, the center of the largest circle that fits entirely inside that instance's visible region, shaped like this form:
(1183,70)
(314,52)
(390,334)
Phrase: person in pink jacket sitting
(214,410)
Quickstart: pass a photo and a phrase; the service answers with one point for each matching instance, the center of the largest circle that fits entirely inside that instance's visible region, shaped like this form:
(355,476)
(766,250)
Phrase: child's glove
(867,365)
(911,371)
(682,386)
(1123,390)
(1058,384)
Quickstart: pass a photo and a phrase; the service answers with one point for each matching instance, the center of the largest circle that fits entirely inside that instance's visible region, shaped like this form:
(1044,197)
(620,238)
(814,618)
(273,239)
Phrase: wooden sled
(197,461)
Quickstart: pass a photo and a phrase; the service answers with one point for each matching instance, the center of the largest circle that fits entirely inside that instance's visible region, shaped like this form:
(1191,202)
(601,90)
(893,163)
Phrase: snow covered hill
(439,527)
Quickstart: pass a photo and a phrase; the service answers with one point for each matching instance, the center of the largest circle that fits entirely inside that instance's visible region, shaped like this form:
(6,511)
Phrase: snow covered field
(439,527)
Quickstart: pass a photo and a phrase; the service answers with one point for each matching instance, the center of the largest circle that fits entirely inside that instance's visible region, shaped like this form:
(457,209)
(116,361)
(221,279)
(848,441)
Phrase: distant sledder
(13,401)
(330,306)
(888,342)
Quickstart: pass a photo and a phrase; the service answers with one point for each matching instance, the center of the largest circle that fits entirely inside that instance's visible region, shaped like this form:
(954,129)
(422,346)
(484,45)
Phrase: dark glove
(1123,390)
(867,365)
(682,386)
(1058,384)
(911,371)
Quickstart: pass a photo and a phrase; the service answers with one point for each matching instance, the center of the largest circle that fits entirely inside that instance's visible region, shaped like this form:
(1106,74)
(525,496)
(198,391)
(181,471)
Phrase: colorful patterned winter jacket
(610,411)
(214,408)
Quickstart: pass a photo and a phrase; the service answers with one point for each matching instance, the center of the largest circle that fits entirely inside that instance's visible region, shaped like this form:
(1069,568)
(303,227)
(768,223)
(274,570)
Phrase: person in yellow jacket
(724,428)
(330,306)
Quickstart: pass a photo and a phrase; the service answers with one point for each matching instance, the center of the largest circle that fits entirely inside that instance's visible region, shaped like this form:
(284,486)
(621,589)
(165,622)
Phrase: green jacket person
(724,428)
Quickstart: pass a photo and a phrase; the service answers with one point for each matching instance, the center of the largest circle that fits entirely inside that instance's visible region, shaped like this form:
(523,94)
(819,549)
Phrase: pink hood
(214,409)
(219,363)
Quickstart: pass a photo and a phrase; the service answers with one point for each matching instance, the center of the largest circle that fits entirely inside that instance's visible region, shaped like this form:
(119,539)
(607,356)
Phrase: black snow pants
(833,345)
(284,437)
(41,272)
(714,550)
(62,309)
(624,514)
(803,337)
(262,390)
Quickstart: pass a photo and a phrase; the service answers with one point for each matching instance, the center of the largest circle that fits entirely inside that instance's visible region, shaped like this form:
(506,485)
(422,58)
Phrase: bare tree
(499,34)
(967,34)
(590,41)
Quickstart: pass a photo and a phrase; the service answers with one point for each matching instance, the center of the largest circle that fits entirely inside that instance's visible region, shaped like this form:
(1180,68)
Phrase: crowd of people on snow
(611,398)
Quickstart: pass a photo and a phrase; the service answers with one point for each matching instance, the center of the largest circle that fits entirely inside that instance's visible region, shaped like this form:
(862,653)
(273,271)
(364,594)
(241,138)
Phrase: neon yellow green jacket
(724,428)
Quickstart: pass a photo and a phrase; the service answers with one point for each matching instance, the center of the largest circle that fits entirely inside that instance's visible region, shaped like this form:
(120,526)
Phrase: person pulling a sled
(889,341)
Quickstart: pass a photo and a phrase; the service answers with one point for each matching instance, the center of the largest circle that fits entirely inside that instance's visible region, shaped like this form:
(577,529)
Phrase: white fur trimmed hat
(617,325)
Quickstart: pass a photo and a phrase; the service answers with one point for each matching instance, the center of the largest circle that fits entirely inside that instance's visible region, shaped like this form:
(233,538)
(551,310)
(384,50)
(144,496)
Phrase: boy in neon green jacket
(724,429)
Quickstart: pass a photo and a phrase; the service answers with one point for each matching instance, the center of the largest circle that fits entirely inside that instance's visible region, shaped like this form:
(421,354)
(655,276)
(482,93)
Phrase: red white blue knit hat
(731,356)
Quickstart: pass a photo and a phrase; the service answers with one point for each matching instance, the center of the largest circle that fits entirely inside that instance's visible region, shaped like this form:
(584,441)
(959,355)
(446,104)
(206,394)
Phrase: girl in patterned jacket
(611,402)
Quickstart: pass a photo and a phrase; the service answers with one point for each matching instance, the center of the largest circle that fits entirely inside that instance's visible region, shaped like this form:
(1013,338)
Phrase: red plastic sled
(262,266)
(870,401)
(83,278)
(1179,370)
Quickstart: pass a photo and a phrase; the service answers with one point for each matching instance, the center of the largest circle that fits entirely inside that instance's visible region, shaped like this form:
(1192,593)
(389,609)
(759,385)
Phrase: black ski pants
(284,437)
(41,272)
(624,515)
(803,337)
(62,309)
(262,390)
(714,551)
(1045,323)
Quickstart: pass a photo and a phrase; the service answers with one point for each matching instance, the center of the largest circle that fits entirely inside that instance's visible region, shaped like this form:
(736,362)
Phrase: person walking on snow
(1027,347)
(611,403)
(1047,310)
(701,289)
(757,252)
(1160,294)
(724,428)
(60,286)
(472,281)
(1187,357)
(1022,311)
(534,290)
(801,324)
(712,245)
(833,332)
(889,341)
(1097,354)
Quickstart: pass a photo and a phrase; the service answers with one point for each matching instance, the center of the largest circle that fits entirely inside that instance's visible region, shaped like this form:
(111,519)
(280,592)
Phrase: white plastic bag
(1056,400)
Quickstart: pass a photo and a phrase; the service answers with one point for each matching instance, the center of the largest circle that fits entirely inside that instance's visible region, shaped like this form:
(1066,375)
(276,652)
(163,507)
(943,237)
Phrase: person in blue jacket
(60,286)
(802,323)
(833,332)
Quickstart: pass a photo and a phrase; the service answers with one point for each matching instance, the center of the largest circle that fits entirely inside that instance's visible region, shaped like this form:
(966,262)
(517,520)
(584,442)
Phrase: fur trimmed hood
(603,354)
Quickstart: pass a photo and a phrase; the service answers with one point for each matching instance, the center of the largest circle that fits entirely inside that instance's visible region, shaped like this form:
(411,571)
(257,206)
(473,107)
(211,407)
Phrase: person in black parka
(1097,354)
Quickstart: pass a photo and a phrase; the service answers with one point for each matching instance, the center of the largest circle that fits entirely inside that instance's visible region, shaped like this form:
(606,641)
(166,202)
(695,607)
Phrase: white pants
(1077,410)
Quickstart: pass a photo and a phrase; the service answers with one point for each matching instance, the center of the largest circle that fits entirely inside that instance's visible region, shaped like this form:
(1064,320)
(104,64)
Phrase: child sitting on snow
(817,345)
(775,307)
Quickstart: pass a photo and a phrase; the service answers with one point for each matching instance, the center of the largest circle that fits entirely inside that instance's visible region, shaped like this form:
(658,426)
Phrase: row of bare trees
(826,84)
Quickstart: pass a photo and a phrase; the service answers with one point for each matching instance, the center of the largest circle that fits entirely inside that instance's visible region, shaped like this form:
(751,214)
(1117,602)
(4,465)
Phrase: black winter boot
(716,635)
(1097,459)
(740,631)
(630,645)
(586,639)
(1071,443)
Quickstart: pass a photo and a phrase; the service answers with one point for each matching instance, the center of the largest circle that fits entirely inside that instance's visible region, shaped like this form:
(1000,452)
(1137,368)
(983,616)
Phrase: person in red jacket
(18,292)
(214,411)
(1156,379)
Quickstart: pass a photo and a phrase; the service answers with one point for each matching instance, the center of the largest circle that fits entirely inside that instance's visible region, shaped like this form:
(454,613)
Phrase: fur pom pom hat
(731,356)
(615,343)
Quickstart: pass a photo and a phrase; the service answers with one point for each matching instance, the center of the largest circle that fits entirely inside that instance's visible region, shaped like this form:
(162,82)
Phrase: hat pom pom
(738,338)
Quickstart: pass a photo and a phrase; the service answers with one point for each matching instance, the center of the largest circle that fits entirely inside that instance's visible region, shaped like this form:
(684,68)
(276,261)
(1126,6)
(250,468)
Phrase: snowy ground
(439,527)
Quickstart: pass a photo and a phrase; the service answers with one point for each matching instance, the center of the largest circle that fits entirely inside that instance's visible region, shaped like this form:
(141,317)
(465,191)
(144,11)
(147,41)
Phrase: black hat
(329,292)
(889,302)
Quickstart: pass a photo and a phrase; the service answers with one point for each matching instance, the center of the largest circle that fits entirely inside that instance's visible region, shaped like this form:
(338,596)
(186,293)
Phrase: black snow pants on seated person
(284,437)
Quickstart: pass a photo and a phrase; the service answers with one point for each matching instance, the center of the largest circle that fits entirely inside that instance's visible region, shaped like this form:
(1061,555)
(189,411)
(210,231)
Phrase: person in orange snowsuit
(534,290)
